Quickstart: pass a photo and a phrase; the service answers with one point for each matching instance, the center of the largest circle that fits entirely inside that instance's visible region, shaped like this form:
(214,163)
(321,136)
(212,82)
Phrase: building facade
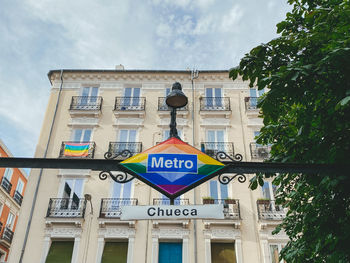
(91,112)
(13,183)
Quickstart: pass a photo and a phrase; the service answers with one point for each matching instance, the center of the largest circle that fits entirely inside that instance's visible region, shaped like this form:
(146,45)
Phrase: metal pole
(173,130)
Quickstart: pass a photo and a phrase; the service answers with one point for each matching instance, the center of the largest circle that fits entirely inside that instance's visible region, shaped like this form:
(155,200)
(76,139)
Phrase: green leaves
(306,120)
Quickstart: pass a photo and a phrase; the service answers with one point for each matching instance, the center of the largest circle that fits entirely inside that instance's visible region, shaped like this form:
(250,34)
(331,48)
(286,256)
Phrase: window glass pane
(9,222)
(209,92)
(167,91)
(223,253)
(60,252)
(218,92)
(223,191)
(115,252)
(127,92)
(266,190)
(274,254)
(116,190)
(68,186)
(87,135)
(78,187)
(85,91)
(166,134)
(123,135)
(170,252)
(77,135)
(132,136)
(136,92)
(252,92)
(214,189)
(94,91)
(19,187)
(211,136)
(220,136)
(127,190)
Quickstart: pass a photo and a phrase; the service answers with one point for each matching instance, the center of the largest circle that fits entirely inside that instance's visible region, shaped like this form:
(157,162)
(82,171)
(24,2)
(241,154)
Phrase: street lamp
(176,99)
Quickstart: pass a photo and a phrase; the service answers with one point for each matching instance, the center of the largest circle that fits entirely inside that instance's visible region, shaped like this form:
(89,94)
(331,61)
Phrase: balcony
(269,210)
(18,197)
(215,106)
(111,207)
(77,150)
(166,201)
(118,147)
(86,105)
(129,106)
(251,103)
(212,148)
(66,207)
(6,185)
(231,207)
(258,151)
(6,237)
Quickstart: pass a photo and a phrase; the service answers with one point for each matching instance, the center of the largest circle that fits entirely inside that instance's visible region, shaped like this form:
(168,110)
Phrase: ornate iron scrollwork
(117,176)
(222,156)
(224,178)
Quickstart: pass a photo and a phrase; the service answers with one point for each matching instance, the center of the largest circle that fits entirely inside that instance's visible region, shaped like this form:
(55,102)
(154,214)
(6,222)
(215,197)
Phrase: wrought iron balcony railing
(0,226)
(6,185)
(7,234)
(66,207)
(18,197)
(212,148)
(166,201)
(118,147)
(162,106)
(86,103)
(111,207)
(258,151)
(251,103)
(130,103)
(231,207)
(215,104)
(269,210)
(77,150)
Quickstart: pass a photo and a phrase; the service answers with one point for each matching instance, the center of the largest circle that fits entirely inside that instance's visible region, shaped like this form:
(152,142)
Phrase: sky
(37,36)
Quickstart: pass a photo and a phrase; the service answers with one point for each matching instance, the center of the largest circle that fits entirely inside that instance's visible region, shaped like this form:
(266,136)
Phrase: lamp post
(176,99)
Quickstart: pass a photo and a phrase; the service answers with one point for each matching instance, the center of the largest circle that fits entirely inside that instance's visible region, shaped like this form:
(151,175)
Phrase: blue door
(170,252)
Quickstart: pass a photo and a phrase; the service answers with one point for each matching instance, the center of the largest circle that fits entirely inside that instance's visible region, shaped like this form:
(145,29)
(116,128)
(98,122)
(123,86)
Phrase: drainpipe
(194,75)
(41,173)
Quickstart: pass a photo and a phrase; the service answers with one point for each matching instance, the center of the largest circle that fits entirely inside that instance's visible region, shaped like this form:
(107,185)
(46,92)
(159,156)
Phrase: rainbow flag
(80,149)
(173,180)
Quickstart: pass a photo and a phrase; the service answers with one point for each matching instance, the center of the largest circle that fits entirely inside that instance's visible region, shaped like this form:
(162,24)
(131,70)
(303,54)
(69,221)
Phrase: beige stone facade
(220,115)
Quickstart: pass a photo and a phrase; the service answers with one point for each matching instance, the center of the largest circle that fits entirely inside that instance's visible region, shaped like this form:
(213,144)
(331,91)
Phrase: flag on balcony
(76,149)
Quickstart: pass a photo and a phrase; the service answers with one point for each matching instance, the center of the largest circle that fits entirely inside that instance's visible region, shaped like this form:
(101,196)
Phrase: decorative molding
(180,122)
(63,232)
(74,173)
(78,122)
(213,122)
(222,233)
(116,232)
(129,122)
(178,223)
(170,233)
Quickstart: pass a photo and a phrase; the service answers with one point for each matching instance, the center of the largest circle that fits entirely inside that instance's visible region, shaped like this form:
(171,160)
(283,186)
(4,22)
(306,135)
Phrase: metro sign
(173,167)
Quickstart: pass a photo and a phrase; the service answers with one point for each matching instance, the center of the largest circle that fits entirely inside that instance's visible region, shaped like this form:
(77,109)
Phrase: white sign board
(172,212)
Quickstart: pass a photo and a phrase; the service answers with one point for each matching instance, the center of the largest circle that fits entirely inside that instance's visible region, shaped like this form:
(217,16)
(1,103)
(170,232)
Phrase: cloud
(40,35)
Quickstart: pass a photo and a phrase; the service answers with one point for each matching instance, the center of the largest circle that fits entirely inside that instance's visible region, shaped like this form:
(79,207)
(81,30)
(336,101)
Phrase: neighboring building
(95,111)
(13,183)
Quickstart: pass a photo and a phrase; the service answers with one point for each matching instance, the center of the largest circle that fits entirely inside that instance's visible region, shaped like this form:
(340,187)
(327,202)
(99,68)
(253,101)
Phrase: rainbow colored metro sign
(173,167)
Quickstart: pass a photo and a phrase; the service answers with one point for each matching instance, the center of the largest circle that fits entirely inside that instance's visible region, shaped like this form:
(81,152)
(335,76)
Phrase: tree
(306,115)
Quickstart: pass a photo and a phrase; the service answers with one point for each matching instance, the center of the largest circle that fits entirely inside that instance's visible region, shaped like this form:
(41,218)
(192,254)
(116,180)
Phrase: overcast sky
(39,35)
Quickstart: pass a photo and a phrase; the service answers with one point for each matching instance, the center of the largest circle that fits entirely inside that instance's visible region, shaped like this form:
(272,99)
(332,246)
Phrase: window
(131,97)
(213,97)
(73,189)
(269,190)
(170,252)
(89,95)
(223,253)
(19,187)
(218,190)
(60,251)
(115,252)
(166,201)
(275,249)
(126,140)
(8,174)
(10,221)
(215,139)
(254,94)
(81,135)
(122,190)
(166,134)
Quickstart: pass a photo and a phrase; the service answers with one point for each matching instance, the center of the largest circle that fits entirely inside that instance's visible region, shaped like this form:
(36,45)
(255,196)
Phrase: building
(13,184)
(102,111)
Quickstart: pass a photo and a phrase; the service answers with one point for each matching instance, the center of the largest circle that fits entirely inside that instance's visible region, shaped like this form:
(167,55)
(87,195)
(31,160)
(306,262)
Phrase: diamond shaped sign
(173,167)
